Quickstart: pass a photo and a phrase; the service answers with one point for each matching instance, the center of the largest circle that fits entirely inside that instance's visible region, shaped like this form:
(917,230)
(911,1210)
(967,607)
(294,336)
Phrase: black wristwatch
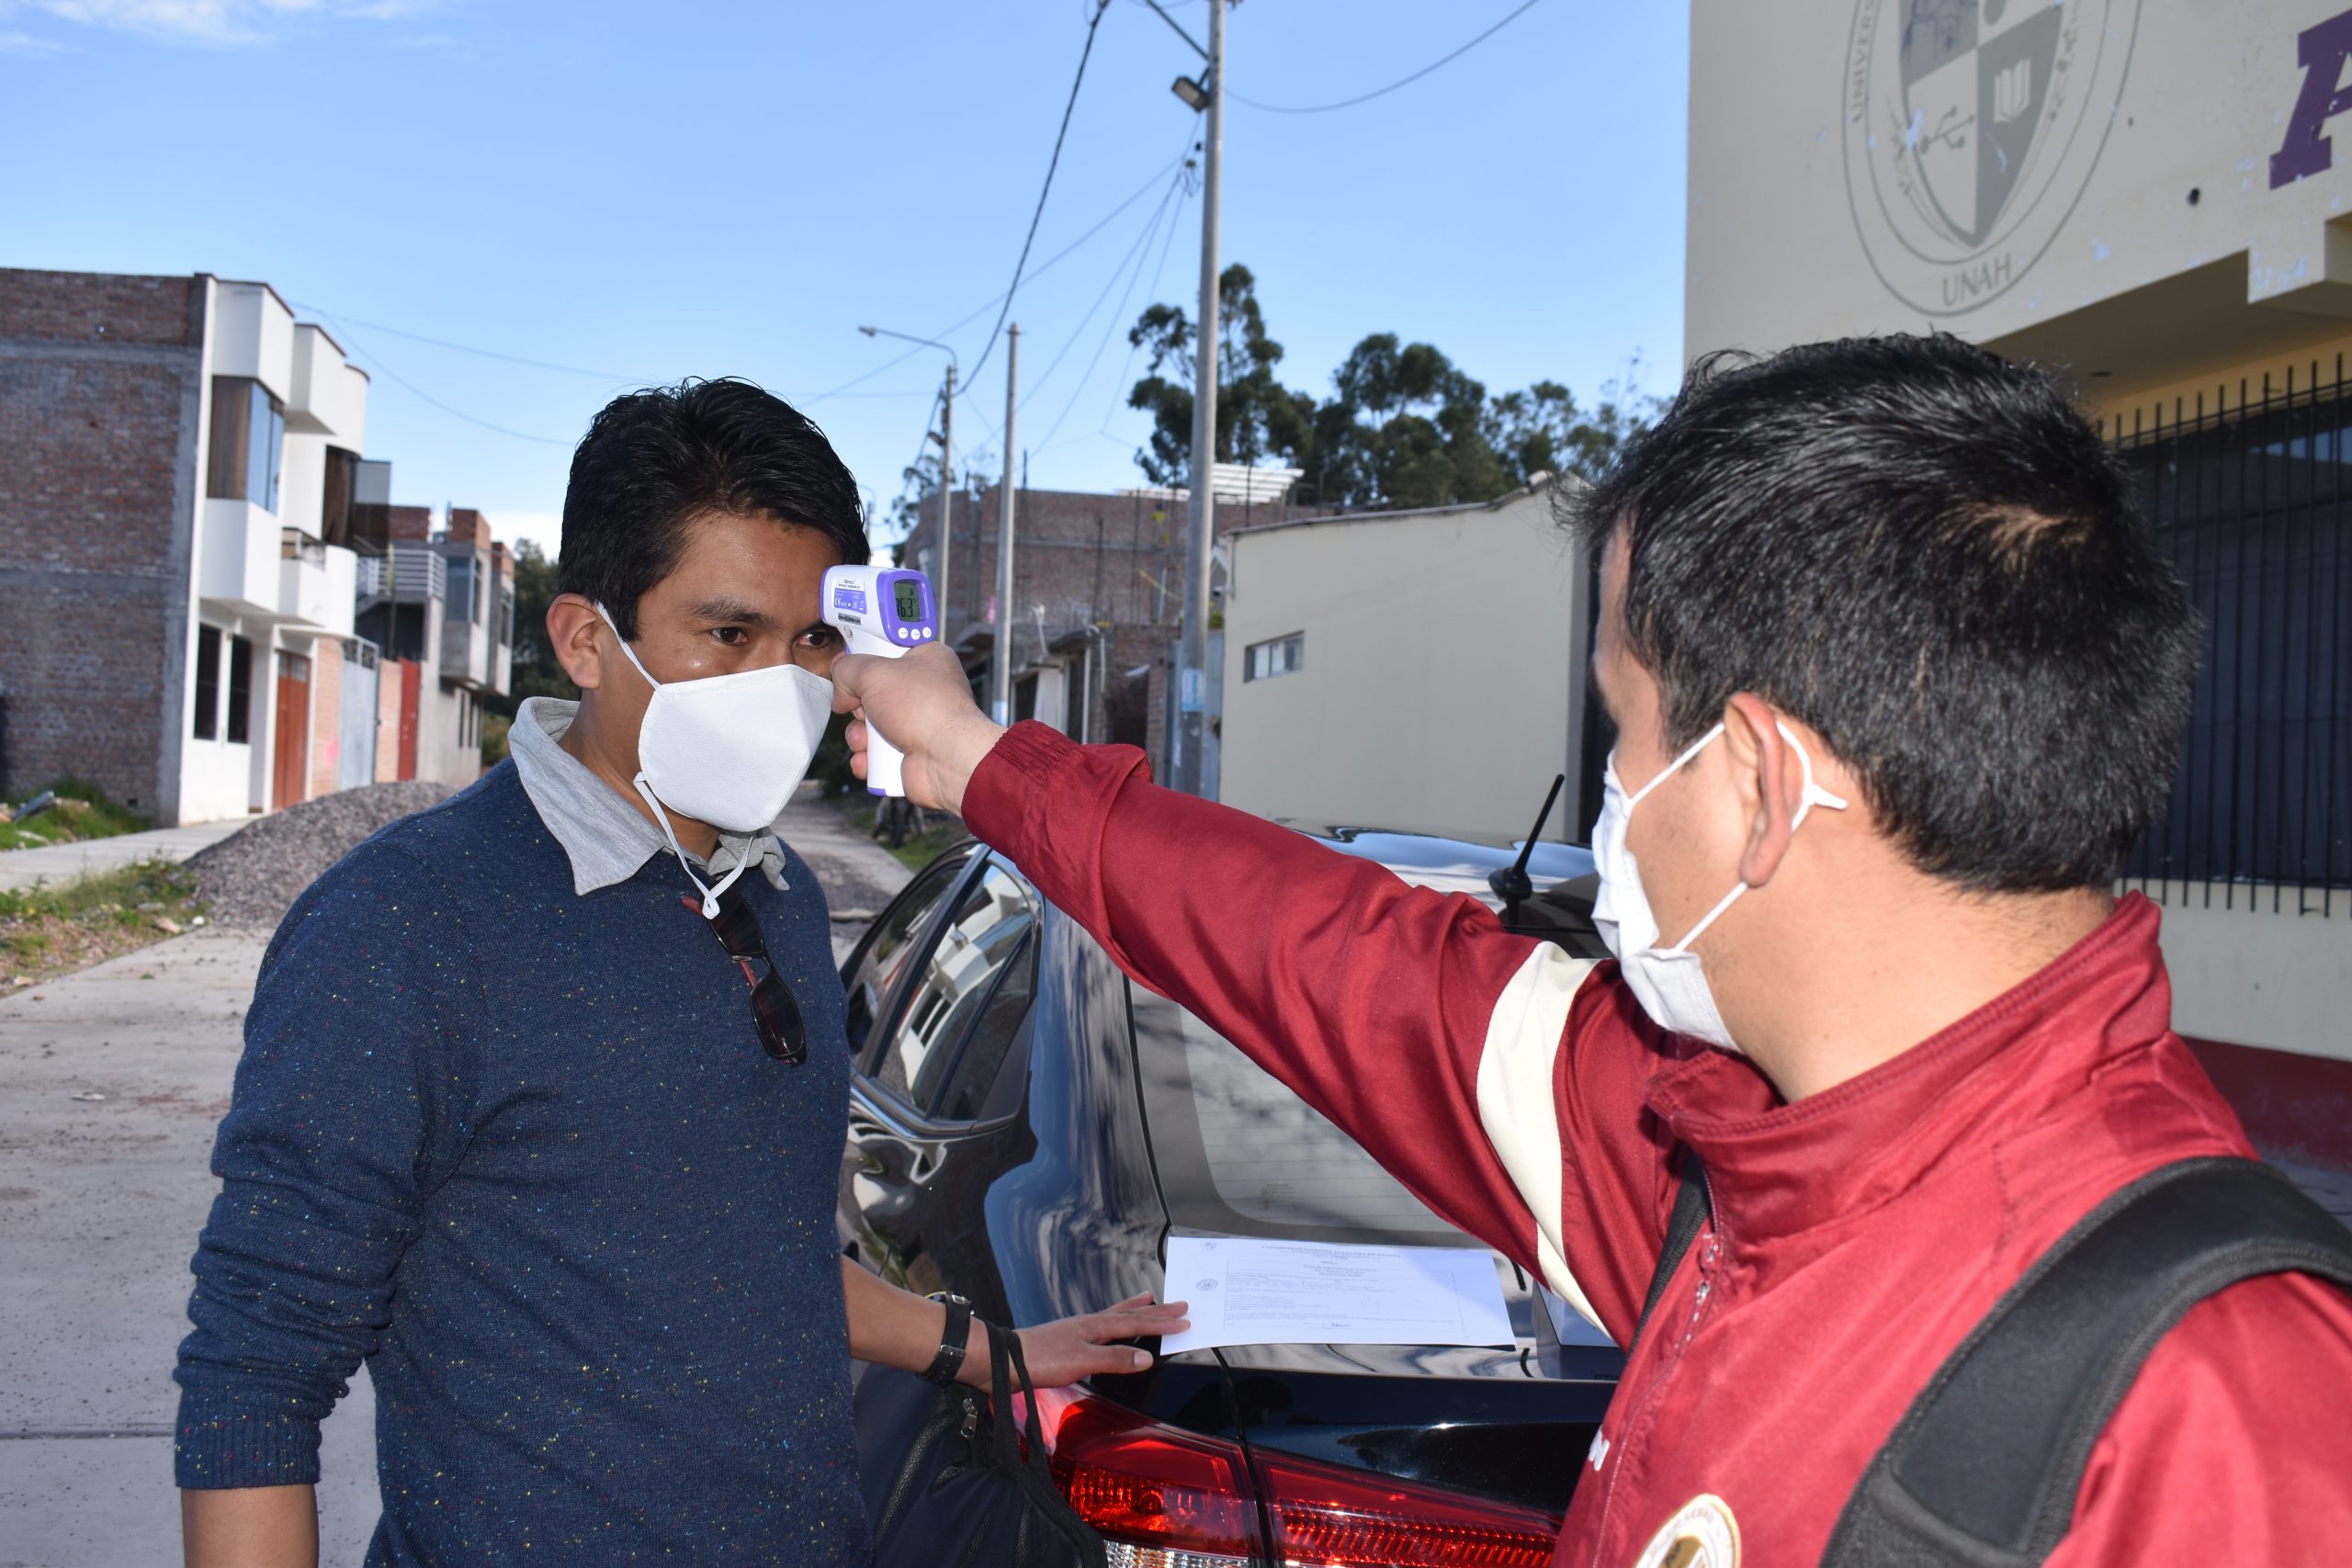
(950,1359)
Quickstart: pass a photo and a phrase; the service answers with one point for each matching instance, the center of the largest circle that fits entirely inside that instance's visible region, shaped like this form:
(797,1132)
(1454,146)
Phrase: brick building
(1097,594)
(179,480)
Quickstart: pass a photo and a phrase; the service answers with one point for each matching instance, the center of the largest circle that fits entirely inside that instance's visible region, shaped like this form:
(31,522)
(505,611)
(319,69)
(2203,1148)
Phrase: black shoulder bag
(1983,1469)
(946,1478)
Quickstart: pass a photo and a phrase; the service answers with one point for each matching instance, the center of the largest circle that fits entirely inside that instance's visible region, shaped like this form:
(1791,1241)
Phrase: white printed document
(1243,1290)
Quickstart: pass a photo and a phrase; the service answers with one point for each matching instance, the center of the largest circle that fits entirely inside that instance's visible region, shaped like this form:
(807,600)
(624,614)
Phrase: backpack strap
(1693,1206)
(1984,1467)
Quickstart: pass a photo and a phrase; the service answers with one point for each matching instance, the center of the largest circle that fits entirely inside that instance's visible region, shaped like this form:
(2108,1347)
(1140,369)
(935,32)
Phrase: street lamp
(946,467)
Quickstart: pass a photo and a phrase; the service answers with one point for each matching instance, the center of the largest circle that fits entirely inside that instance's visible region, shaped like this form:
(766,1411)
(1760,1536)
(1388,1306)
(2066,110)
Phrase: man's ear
(1770,780)
(573,632)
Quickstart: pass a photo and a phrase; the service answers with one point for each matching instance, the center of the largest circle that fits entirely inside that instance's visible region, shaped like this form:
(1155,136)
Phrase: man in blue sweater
(543,1097)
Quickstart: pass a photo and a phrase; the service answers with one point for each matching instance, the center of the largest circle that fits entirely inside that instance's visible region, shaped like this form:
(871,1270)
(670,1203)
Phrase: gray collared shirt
(607,839)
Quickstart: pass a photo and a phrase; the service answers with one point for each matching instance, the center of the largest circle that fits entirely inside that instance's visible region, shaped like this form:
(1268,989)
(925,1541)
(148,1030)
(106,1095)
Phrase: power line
(1111,324)
(1383,92)
(1043,267)
(1093,24)
(378,362)
(1140,246)
(1127,364)
(469,348)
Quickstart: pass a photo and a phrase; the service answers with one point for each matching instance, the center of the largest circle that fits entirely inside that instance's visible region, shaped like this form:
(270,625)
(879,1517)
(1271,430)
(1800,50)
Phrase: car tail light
(1324,1514)
(1166,1498)
(1185,1500)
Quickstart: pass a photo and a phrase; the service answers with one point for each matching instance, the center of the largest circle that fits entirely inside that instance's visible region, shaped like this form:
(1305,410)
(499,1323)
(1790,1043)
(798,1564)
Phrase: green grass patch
(82,811)
(47,930)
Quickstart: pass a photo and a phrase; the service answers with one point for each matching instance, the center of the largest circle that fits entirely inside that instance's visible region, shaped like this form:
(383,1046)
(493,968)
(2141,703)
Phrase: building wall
(1441,648)
(2155,227)
(326,715)
(388,719)
(101,382)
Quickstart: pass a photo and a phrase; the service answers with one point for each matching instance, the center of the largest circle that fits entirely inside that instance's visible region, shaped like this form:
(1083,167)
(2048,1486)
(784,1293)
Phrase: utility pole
(1185,771)
(1000,658)
(947,501)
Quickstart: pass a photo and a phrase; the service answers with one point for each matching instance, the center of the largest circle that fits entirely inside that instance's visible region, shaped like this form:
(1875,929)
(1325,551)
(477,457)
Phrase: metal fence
(2247,491)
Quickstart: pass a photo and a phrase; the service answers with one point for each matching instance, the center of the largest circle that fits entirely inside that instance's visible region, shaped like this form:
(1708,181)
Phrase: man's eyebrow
(734,610)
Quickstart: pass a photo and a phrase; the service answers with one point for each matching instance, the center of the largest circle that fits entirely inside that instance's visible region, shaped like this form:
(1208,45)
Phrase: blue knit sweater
(520,1150)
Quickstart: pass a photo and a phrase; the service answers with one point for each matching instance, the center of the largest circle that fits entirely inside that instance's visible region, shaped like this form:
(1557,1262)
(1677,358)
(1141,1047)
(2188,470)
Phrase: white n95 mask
(727,750)
(1670,982)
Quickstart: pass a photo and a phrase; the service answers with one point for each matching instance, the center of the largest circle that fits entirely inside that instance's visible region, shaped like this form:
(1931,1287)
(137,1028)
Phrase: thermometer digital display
(883,611)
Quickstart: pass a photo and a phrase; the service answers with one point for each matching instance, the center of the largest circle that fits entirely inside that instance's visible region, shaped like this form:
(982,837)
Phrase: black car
(1026,1128)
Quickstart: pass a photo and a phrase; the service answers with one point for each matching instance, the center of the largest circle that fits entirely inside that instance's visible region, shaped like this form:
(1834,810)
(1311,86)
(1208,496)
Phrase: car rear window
(1239,1154)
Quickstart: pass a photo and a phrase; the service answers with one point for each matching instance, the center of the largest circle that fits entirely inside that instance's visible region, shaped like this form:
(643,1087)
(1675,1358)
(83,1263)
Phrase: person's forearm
(1377,1001)
(892,1328)
(251,1526)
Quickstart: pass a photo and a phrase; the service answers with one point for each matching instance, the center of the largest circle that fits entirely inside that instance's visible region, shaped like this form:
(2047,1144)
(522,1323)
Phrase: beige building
(2151,197)
(1361,682)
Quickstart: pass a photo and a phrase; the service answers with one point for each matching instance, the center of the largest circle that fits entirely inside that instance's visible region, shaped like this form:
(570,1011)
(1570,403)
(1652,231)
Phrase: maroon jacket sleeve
(1477,1066)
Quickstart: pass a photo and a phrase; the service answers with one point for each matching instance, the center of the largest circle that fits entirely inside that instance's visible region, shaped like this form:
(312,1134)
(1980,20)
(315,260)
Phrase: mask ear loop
(1671,769)
(1812,794)
(710,892)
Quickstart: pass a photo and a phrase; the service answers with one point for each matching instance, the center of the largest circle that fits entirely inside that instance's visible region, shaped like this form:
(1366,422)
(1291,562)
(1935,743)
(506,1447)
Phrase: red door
(411,688)
(291,738)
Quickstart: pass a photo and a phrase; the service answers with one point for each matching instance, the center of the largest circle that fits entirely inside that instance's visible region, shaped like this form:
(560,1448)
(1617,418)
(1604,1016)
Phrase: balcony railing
(403,577)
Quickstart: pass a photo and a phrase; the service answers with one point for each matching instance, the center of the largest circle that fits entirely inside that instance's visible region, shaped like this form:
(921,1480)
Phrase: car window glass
(885,954)
(1239,1152)
(983,933)
(983,1050)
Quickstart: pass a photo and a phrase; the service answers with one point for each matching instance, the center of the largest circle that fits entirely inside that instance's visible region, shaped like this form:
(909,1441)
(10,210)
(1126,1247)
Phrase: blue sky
(646,192)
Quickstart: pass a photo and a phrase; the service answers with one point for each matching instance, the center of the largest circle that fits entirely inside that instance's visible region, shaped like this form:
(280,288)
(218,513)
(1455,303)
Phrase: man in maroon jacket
(1899,679)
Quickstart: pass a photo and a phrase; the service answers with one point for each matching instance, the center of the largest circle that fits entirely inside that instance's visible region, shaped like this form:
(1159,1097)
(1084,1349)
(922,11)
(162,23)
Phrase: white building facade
(1407,671)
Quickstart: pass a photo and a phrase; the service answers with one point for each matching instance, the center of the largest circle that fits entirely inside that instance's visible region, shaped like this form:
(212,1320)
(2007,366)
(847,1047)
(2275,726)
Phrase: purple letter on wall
(2320,50)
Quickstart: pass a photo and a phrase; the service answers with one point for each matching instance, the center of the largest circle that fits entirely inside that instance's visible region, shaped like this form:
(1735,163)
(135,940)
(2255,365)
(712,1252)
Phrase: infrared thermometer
(885,611)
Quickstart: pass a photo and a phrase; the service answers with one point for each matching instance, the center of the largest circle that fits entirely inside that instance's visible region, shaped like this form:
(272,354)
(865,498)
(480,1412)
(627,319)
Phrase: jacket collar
(606,837)
(1775,1170)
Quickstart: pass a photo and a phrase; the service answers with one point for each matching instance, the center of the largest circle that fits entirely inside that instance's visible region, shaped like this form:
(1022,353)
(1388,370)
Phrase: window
(974,1072)
(465,590)
(1277,656)
(248,443)
(506,617)
(207,701)
(984,944)
(241,690)
(335,499)
(1239,1152)
(2252,510)
(882,959)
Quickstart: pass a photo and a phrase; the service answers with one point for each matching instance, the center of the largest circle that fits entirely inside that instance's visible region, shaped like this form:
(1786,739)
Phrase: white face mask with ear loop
(1670,982)
(726,749)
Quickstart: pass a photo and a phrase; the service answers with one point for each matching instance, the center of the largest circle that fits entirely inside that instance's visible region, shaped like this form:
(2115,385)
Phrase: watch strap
(953,1339)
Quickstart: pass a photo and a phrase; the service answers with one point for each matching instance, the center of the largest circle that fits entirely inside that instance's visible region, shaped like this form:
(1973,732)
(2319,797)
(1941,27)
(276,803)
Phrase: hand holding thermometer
(883,611)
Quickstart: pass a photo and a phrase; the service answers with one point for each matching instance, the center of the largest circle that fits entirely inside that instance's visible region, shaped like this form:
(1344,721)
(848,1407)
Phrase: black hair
(1927,554)
(654,461)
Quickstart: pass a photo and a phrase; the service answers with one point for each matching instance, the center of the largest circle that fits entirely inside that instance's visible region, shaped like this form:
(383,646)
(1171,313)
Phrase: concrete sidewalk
(111,1082)
(57,863)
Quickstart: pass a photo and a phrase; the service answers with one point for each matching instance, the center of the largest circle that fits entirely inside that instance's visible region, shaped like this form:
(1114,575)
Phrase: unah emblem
(1703,1534)
(1971,129)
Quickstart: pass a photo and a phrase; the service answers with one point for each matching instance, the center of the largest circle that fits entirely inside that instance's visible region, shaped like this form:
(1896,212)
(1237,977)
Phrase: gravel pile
(253,876)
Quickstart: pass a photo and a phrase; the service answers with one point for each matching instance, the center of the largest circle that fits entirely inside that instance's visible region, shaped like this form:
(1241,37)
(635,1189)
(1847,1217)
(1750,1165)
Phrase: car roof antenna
(1511,882)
